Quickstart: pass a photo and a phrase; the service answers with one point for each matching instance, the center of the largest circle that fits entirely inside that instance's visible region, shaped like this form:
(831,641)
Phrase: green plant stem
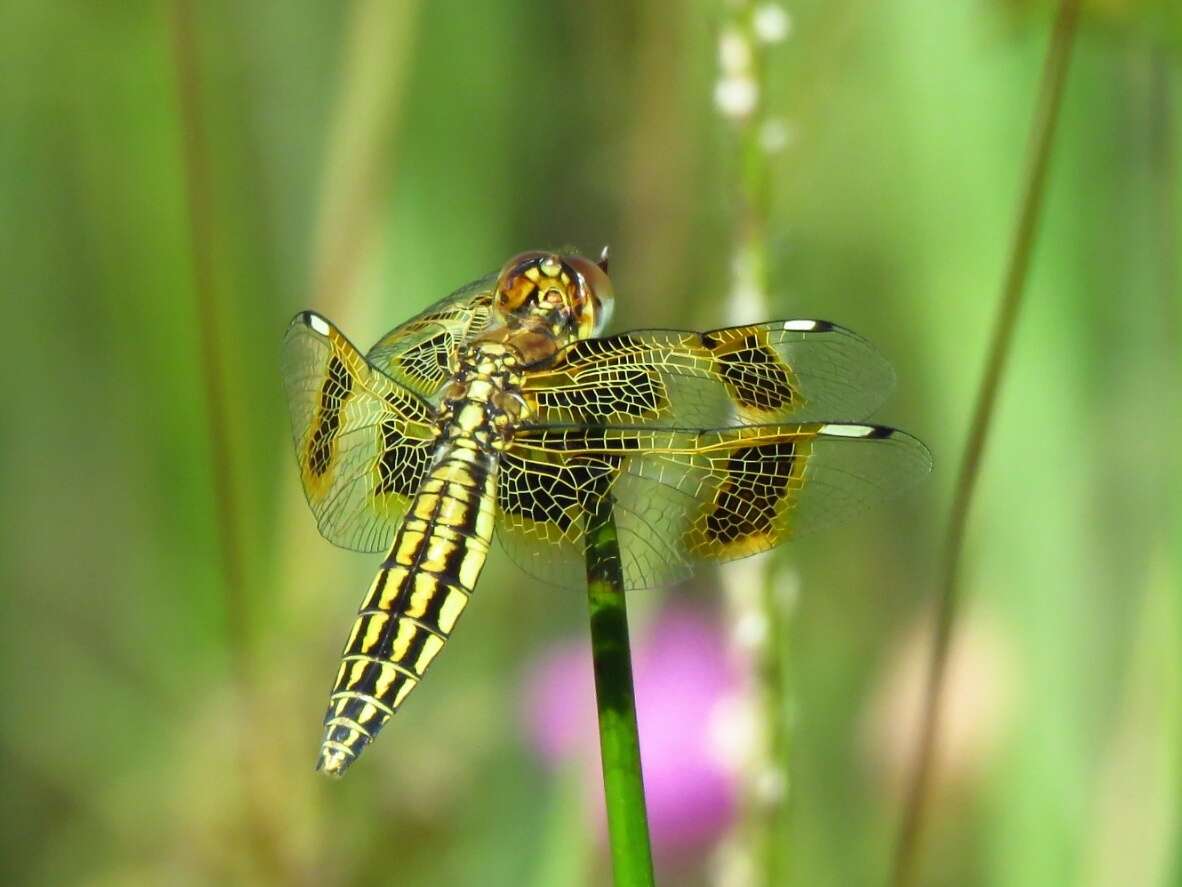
(1042,137)
(619,739)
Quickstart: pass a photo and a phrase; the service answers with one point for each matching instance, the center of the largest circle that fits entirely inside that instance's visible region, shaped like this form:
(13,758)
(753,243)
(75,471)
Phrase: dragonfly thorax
(483,399)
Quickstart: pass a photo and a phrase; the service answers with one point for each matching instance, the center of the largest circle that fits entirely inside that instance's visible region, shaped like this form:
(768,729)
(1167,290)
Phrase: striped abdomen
(412,606)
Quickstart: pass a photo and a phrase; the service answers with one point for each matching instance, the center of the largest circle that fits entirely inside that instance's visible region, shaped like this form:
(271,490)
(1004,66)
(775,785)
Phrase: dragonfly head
(566,296)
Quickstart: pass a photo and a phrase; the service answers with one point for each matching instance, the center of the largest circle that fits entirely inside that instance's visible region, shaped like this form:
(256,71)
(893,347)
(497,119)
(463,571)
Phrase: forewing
(795,370)
(687,497)
(362,441)
(421,353)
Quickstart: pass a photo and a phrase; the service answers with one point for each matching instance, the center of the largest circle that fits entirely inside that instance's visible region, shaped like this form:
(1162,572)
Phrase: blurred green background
(177,180)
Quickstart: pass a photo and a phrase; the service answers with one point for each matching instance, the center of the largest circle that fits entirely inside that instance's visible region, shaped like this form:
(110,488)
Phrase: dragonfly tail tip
(333,762)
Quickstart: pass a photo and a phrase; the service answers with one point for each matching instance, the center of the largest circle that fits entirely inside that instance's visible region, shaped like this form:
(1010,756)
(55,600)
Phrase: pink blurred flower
(685,681)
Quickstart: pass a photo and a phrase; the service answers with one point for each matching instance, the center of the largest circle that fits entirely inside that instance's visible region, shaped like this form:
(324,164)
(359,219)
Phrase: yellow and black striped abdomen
(414,602)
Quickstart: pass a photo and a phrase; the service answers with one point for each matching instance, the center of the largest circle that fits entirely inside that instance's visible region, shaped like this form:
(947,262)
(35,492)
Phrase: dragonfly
(501,411)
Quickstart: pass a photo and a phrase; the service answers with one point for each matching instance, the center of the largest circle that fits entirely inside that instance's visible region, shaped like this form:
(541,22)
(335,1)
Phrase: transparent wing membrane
(362,441)
(421,353)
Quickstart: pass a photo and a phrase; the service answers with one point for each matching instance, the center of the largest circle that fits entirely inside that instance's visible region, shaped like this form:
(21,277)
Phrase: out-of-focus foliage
(365,158)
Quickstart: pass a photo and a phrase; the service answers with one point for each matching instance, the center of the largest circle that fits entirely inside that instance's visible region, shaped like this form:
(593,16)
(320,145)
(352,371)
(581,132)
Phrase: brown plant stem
(1042,133)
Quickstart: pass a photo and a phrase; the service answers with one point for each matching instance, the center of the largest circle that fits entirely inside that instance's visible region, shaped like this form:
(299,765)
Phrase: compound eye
(605,309)
(518,280)
(598,296)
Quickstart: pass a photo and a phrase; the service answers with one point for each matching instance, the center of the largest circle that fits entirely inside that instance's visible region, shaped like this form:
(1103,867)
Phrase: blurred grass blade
(359,165)
(1043,127)
(198,191)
